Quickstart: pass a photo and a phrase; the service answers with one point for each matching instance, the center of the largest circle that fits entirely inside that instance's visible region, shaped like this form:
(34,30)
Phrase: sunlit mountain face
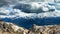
(29,12)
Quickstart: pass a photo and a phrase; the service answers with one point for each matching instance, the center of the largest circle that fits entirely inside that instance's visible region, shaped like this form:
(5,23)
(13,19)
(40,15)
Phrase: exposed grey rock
(10,28)
(50,29)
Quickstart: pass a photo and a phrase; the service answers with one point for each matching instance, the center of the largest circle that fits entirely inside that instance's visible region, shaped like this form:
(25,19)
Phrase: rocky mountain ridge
(10,28)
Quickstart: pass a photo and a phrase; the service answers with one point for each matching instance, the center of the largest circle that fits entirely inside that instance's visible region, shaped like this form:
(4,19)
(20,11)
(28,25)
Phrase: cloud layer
(30,10)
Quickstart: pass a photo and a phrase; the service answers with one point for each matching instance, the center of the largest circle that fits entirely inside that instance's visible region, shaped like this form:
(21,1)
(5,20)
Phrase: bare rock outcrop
(50,29)
(10,28)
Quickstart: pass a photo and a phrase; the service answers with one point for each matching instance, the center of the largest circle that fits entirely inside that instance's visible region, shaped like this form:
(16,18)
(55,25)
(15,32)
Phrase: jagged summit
(10,28)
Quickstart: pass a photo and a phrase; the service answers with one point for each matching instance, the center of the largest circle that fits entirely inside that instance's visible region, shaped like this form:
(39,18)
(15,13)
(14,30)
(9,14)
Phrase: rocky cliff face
(50,29)
(10,28)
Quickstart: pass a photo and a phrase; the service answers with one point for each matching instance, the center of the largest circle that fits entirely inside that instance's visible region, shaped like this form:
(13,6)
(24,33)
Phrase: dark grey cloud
(28,8)
(6,2)
(2,2)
